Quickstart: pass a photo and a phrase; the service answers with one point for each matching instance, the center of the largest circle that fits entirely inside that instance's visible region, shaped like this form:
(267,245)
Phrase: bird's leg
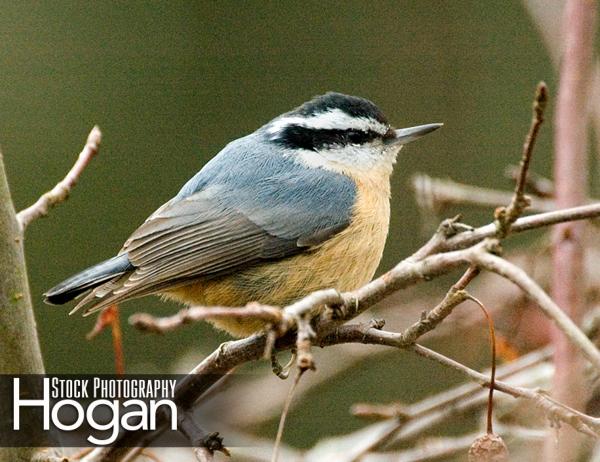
(283,372)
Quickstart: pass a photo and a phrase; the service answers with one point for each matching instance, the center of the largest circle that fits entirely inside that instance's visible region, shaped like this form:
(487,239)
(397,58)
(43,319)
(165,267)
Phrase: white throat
(352,158)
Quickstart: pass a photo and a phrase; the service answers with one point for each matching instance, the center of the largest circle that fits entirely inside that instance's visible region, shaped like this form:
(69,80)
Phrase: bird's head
(338,132)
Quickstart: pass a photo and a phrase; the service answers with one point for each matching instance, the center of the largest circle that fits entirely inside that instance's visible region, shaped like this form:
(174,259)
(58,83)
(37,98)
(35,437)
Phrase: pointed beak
(408,135)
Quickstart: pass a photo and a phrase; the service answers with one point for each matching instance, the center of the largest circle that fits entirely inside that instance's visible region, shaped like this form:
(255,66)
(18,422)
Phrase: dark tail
(88,279)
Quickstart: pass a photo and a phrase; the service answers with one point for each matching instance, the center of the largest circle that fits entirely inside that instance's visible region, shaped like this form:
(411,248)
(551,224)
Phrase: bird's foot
(283,372)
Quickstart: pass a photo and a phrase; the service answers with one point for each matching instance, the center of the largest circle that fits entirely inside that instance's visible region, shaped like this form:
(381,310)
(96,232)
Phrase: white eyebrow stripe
(331,119)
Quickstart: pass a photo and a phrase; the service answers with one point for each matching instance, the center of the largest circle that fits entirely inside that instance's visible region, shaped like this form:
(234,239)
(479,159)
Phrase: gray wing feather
(240,209)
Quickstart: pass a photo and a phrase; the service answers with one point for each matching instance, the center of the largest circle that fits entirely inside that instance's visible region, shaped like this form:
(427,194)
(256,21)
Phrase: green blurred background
(170,83)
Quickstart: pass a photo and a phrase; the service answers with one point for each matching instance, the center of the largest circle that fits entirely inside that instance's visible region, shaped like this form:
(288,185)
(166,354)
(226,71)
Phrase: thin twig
(148,323)
(581,422)
(412,420)
(490,321)
(433,318)
(436,194)
(520,278)
(520,202)
(540,220)
(117,339)
(506,216)
(109,317)
(555,411)
(380,411)
(61,191)
(284,414)
(454,297)
(538,185)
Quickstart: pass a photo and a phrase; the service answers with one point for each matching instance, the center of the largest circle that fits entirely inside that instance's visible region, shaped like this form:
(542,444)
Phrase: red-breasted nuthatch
(301,204)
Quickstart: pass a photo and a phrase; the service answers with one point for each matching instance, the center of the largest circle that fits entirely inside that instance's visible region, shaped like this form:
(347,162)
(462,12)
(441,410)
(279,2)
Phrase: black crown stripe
(354,106)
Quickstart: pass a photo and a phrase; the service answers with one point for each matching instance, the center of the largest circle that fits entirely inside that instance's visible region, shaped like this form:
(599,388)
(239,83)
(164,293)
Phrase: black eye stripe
(299,137)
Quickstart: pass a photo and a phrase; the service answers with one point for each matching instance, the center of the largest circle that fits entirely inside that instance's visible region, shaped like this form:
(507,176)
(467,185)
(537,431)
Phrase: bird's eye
(357,136)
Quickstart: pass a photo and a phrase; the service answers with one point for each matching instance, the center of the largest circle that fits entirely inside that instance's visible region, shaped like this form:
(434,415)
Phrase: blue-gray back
(275,192)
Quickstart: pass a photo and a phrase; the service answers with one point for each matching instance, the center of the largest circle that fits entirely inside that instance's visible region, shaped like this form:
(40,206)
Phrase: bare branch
(519,201)
(540,220)
(284,413)
(490,321)
(454,297)
(386,430)
(356,333)
(148,323)
(519,277)
(19,339)
(504,216)
(61,191)
(554,410)
(380,411)
(537,184)
(418,418)
(435,194)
